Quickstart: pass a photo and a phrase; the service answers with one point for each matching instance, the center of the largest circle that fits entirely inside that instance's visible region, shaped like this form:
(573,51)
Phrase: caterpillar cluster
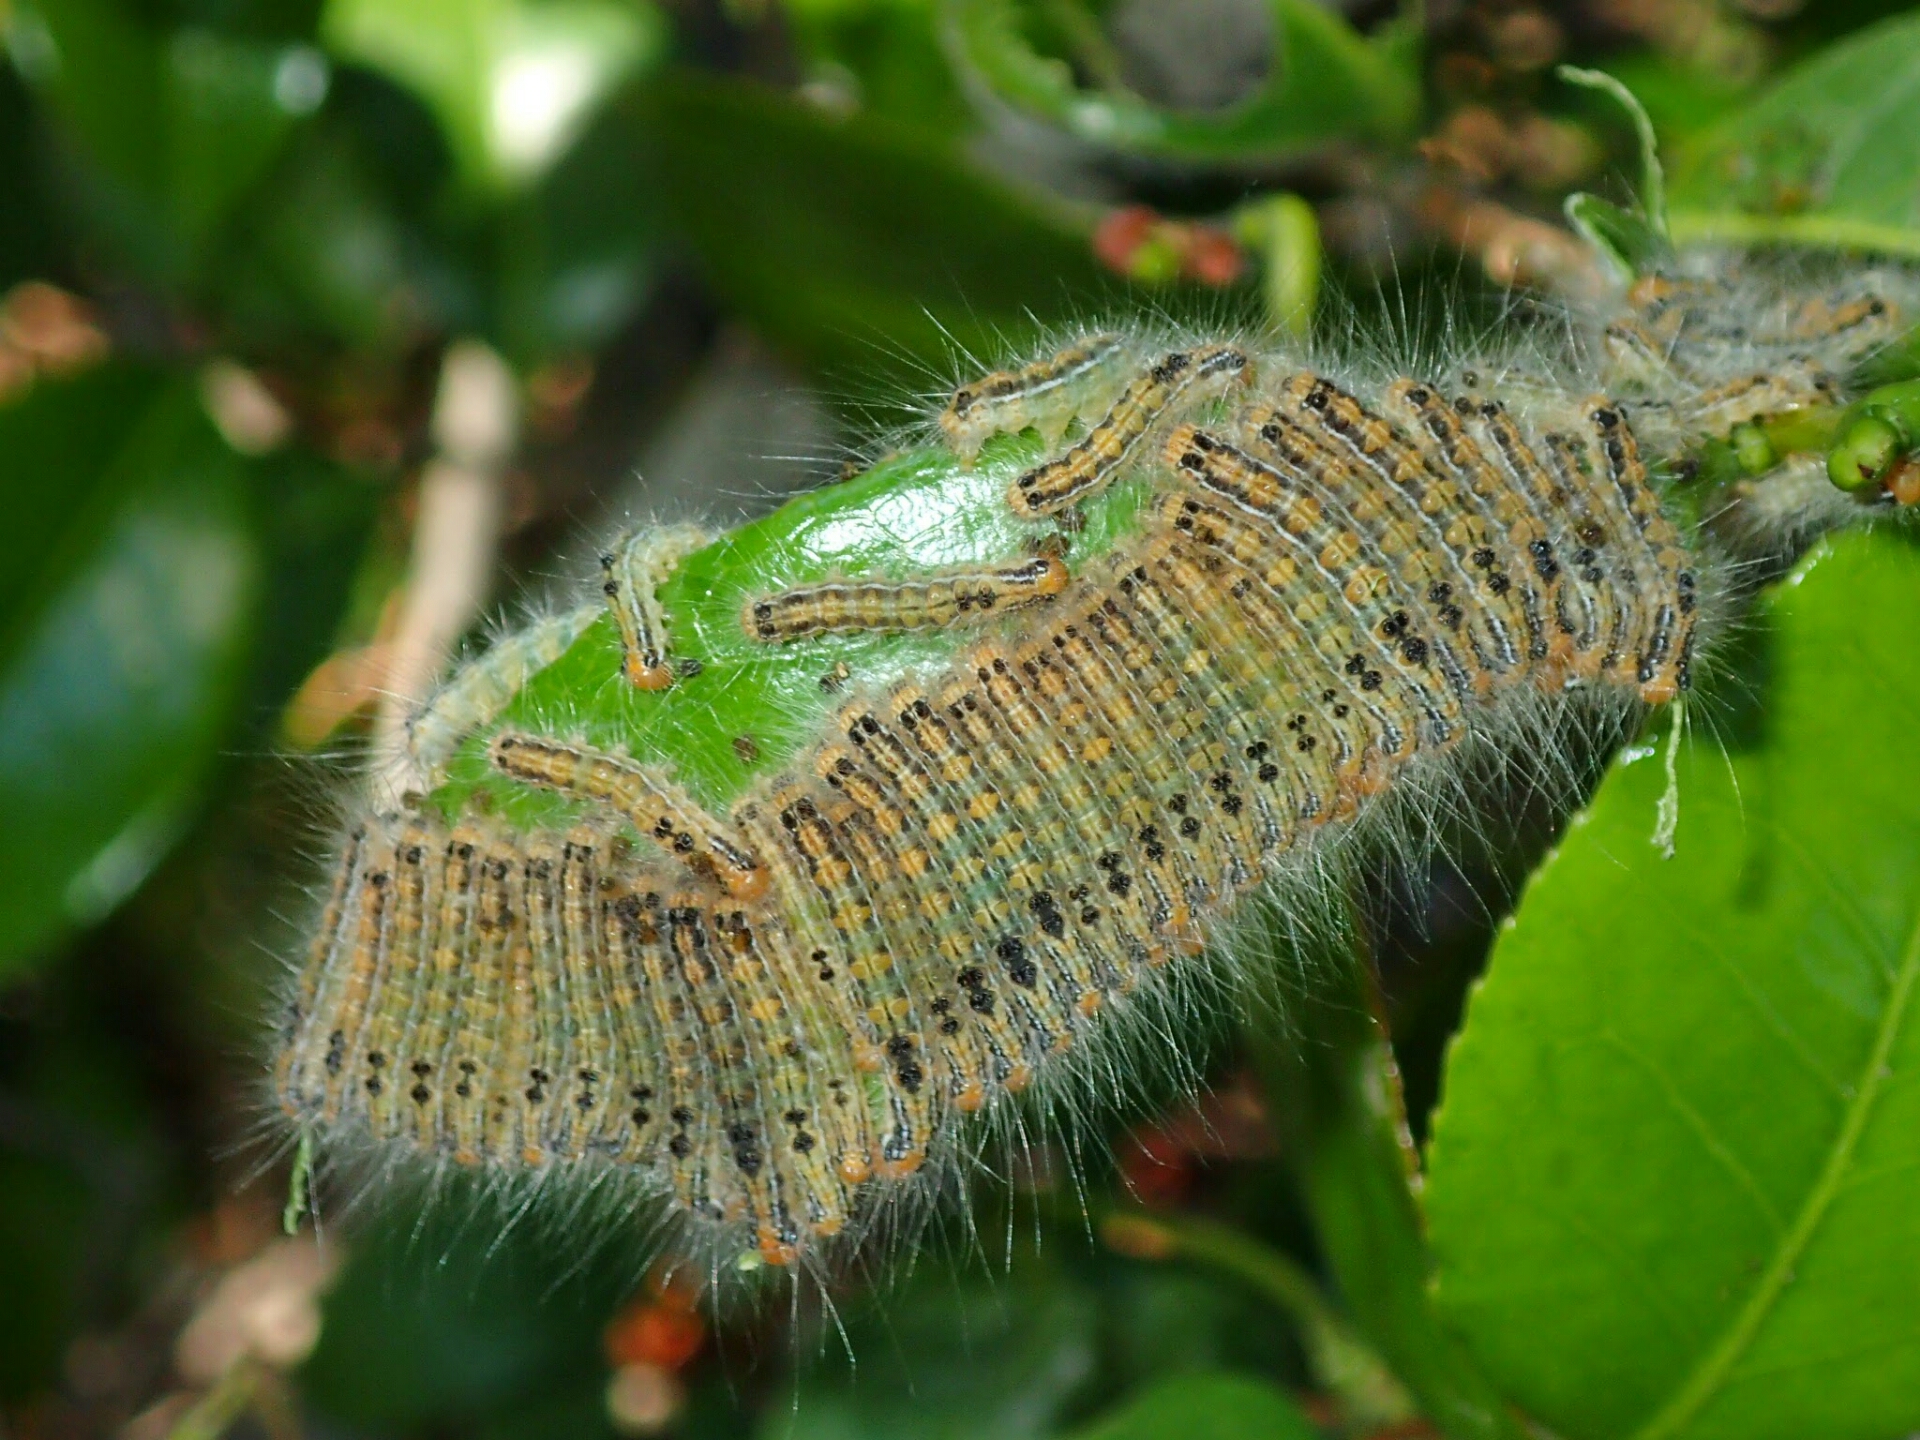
(971,867)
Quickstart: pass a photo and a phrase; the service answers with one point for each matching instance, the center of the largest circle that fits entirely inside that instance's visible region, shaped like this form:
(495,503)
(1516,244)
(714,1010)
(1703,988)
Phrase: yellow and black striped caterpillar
(1248,605)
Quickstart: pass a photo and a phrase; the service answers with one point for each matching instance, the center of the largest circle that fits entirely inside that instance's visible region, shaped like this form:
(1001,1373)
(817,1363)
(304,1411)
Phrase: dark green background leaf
(1672,1186)
(1205,1407)
(843,238)
(31,241)
(170,130)
(1324,82)
(958,1357)
(511,81)
(1337,1105)
(1829,154)
(890,52)
(129,569)
(83,1160)
(450,1317)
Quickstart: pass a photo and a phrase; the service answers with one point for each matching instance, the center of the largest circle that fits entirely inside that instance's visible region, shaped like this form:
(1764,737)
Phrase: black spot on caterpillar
(964,872)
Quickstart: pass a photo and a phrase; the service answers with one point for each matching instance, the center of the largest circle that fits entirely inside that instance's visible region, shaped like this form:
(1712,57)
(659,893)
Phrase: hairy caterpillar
(1046,394)
(634,570)
(770,982)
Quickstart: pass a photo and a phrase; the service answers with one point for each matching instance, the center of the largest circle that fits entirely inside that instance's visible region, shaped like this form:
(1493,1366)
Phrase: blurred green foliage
(1322,82)
(1823,157)
(1670,1185)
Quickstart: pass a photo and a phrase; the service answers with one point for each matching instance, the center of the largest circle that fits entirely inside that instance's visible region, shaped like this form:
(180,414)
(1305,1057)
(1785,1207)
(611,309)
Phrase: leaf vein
(1703,1130)
(1711,1374)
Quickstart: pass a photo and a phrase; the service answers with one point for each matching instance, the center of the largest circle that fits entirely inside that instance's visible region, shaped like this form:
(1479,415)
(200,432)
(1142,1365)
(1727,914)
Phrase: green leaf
(31,242)
(230,105)
(1324,82)
(313,521)
(512,81)
(889,53)
(447,1317)
(1651,194)
(1337,1105)
(126,573)
(1284,231)
(1159,1320)
(576,255)
(172,130)
(84,1175)
(1635,241)
(1340,1362)
(1674,1184)
(332,252)
(1207,1406)
(1683,99)
(915,509)
(952,1357)
(1624,238)
(1828,155)
(838,236)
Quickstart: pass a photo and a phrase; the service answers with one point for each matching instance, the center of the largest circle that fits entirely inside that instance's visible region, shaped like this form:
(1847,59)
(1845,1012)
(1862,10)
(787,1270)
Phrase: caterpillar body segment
(1095,462)
(1663,652)
(1701,350)
(1370,453)
(1702,316)
(1384,643)
(631,573)
(1075,383)
(950,597)
(480,690)
(1795,384)
(657,808)
(452,1057)
(781,1006)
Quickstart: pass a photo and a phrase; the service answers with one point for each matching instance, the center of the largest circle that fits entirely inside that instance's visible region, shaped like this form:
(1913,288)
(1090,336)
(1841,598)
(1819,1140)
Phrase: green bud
(1156,262)
(1864,453)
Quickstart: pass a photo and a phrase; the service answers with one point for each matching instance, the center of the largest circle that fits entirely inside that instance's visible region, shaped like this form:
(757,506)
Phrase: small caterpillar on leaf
(1048,394)
(634,570)
(773,982)
(942,598)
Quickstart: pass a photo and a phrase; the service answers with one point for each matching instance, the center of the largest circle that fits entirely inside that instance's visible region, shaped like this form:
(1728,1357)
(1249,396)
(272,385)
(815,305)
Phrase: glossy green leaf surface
(1672,1186)
(849,240)
(1206,1406)
(511,81)
(913,511)
(1323,82)
(1829,154)
(124,624)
